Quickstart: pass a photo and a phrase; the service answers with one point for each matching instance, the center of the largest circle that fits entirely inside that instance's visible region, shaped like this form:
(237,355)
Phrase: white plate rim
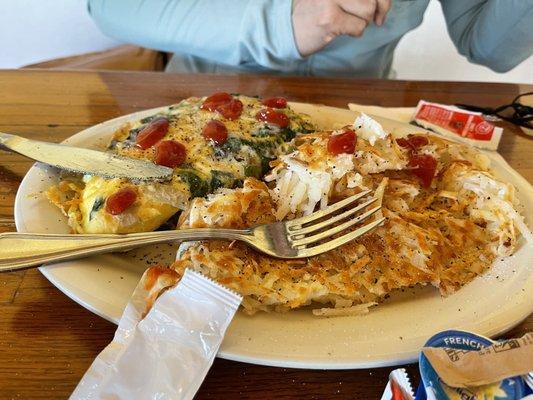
(507,318)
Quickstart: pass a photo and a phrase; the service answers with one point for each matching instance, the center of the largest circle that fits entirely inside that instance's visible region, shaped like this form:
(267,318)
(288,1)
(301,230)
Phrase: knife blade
(85,161)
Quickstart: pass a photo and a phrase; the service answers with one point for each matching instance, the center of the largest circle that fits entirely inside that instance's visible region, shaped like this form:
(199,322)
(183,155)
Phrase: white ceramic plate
(390,334)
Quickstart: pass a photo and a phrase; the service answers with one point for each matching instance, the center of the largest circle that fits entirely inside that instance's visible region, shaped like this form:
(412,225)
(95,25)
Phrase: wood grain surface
(47,341)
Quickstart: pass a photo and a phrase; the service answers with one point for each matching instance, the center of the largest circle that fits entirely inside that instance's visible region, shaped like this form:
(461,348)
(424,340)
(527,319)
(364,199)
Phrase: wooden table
(47,341)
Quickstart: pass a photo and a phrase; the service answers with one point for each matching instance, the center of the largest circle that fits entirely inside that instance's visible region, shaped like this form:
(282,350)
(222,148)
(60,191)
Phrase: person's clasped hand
(317,22)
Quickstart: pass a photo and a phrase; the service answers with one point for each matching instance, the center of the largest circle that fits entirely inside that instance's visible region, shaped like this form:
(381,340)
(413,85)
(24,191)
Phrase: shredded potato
(443,235)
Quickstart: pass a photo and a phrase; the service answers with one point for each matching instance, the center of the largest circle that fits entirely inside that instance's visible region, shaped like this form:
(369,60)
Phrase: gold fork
(302,237)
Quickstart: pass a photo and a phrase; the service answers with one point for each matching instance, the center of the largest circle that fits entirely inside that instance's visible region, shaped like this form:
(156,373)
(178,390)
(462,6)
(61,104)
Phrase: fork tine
(326,211)
(333,244)
(335,229)
(332,220)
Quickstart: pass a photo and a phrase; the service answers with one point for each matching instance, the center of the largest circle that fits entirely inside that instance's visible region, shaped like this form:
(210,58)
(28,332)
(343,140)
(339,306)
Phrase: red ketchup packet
(464,126)
(398,387)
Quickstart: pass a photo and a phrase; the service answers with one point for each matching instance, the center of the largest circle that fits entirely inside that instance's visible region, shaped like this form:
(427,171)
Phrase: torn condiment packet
(166,354)
(452,122)
(398,387)
(464,368)
(434,387)
(462,125)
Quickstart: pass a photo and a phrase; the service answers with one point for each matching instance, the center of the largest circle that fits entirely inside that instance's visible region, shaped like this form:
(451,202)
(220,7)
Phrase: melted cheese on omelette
(250,146)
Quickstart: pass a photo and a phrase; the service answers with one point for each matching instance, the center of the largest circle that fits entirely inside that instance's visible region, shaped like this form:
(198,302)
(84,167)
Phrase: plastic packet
(465,368)
(398,387)
(465,126)
(166,354)
(433,386)
(455,123)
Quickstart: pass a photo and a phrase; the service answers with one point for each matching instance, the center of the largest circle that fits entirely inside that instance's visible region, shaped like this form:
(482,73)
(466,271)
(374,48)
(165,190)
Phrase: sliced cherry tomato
(216,131)
(225,104)
(424,167)
(272,117)
(120,201)
(403,142)
(342,143)
(413,142)
(170,153)
(216,99)
(418,141)
(275,102)
(231,110)
(152,133)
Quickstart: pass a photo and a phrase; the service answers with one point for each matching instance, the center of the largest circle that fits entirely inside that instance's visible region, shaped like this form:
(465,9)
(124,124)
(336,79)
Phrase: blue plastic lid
(508,389)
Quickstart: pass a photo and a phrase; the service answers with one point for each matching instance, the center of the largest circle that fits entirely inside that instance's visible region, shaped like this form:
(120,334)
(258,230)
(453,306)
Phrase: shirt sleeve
(231,32)
(494,33)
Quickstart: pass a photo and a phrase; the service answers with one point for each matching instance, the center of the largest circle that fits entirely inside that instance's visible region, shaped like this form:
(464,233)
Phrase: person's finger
(348,24)
(364,9)
(383,8)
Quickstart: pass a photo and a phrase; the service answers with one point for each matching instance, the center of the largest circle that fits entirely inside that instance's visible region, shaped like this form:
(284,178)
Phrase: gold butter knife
(85,161)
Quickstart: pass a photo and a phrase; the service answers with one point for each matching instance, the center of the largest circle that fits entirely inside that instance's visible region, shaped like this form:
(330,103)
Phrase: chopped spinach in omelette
(214,142)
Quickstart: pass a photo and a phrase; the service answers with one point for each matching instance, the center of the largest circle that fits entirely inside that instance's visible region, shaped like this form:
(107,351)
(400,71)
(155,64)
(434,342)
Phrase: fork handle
(26,250)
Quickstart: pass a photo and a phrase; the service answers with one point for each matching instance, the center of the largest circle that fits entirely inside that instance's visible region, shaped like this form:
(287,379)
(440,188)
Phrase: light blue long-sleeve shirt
(228,36)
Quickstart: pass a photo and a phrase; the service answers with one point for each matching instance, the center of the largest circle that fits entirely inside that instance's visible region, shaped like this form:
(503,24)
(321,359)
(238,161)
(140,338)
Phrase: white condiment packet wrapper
(166,354)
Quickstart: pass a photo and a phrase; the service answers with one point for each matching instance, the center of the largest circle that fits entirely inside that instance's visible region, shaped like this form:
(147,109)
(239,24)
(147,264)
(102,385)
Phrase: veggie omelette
(212,142)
